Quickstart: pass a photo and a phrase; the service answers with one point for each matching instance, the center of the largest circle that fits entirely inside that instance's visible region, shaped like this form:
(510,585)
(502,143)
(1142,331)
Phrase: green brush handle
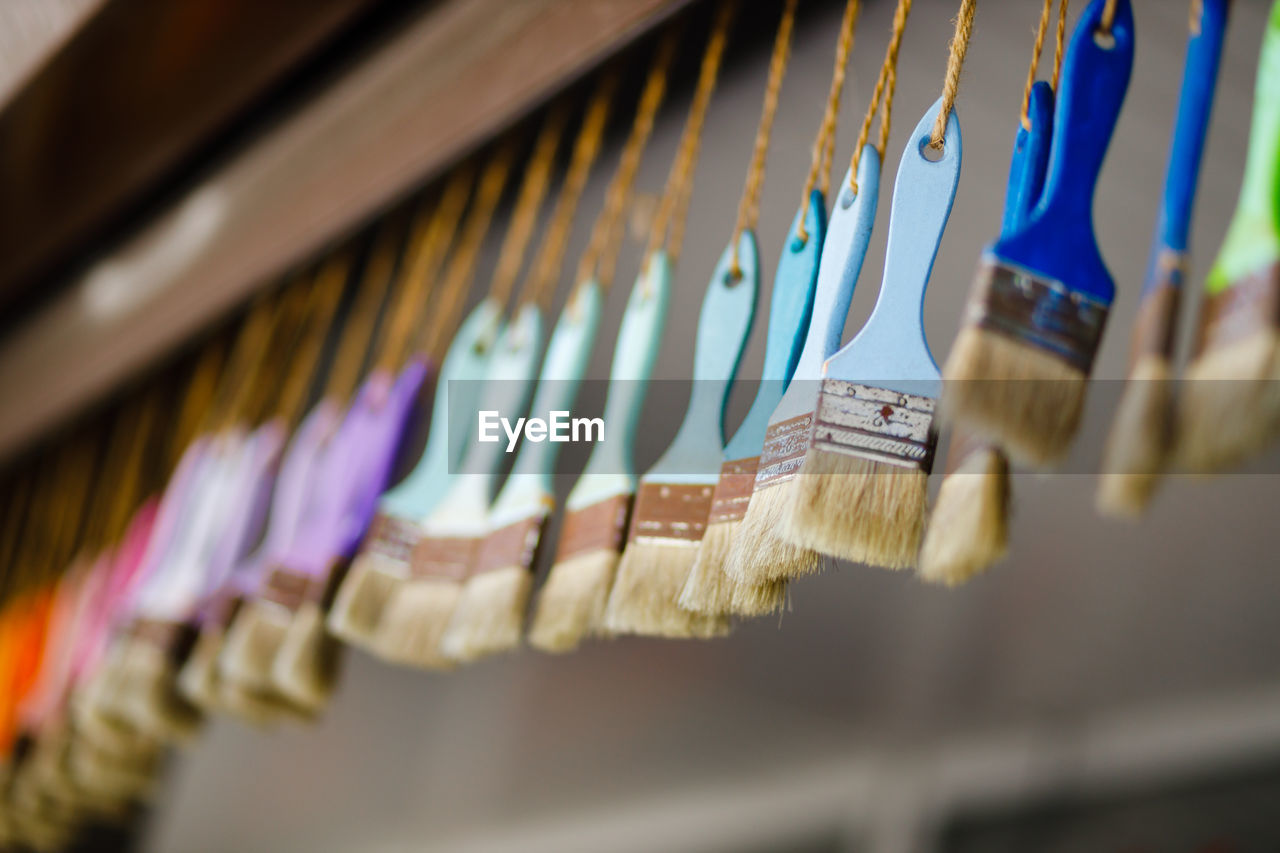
(610,469)
(1253,237)
(529,485)
(508,384)
(464,363)
(728,308)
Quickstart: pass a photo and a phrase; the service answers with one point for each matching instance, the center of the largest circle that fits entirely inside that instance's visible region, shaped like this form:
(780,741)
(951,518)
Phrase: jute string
(1041,30)
(600,260)
(886,81)
(362,321)
(749,204)
(955,63)
(824,145)
(669,222)
(326,293)
(545,271)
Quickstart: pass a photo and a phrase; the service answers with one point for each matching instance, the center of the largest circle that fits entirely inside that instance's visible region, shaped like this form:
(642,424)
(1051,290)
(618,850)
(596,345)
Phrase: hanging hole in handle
(798,242)
(1104,39)
(928,152)
(732,276)
(847,197)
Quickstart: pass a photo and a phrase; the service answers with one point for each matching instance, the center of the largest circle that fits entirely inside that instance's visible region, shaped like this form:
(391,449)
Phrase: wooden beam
(453,78)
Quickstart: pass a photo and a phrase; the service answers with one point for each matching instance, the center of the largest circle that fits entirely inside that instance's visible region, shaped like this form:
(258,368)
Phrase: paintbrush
(383,558)
(1142,431)
(571,603)
(872,441)
(419,611)
(968,530)
(759,555)
(489,617)
(1227,406)
(709,589)
(673,502)
(1018,371)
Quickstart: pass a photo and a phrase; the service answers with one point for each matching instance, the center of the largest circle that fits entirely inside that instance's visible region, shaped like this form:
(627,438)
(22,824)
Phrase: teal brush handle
(790,310)
(891,350)
(843,251)
(465,363)
(507,386)
(723,325)
(566,361)
(610,469)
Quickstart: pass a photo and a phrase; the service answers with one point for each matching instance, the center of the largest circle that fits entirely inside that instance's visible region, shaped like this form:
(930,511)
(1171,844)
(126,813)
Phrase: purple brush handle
(170,512)
(249,498)
(357,466)
(298,470)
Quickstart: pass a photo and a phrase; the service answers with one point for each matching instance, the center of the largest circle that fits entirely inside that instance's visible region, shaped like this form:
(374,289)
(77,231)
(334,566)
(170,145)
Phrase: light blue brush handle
(723,325)
(507,387)
(790,309)
(610,469)
(568,355)
(891,350)
(843,251)
(453,416)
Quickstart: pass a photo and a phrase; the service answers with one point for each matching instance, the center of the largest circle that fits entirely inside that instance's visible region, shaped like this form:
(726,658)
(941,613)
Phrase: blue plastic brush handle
(790,309)
(1030,160)
(723,325)
(1059,242)
(1191,127)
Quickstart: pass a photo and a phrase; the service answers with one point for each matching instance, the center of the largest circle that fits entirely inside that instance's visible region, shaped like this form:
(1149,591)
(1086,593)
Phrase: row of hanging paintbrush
(217,596)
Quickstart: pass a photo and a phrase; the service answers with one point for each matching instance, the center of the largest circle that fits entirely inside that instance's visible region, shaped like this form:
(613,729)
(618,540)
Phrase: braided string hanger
(600,260)
(749,204)
(669,222)
(304,361)
(234,391)
(199,396)
(461,268)
(1108,16)
(824,145)
(955,62)
(1041,29)
(545,271)
(129,487)
(432,234)
(272,369)
(533,189)
(882,98)
(362,321)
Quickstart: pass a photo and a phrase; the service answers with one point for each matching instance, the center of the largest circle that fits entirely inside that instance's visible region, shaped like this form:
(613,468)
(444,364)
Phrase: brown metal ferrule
(1156,323)
(291,589)
(175,639)
(875,423)
(443,557)
(671,512)
(785,444)
(733,490)
(1250,305)
(392,537)
(602,526)
(1039,312)
(513,545)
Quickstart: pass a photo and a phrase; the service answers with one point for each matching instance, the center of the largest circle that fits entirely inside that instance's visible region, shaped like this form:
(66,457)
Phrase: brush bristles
(1138,445)
(363,597)
(710,590)
(252,642)
(306,667)
(153,703)
(1222,416)
(198,678)
(968,530)
(490,615)
(643,601)
(415,620)
(759,555)
(572,601)
(1022,398)
(858,509)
